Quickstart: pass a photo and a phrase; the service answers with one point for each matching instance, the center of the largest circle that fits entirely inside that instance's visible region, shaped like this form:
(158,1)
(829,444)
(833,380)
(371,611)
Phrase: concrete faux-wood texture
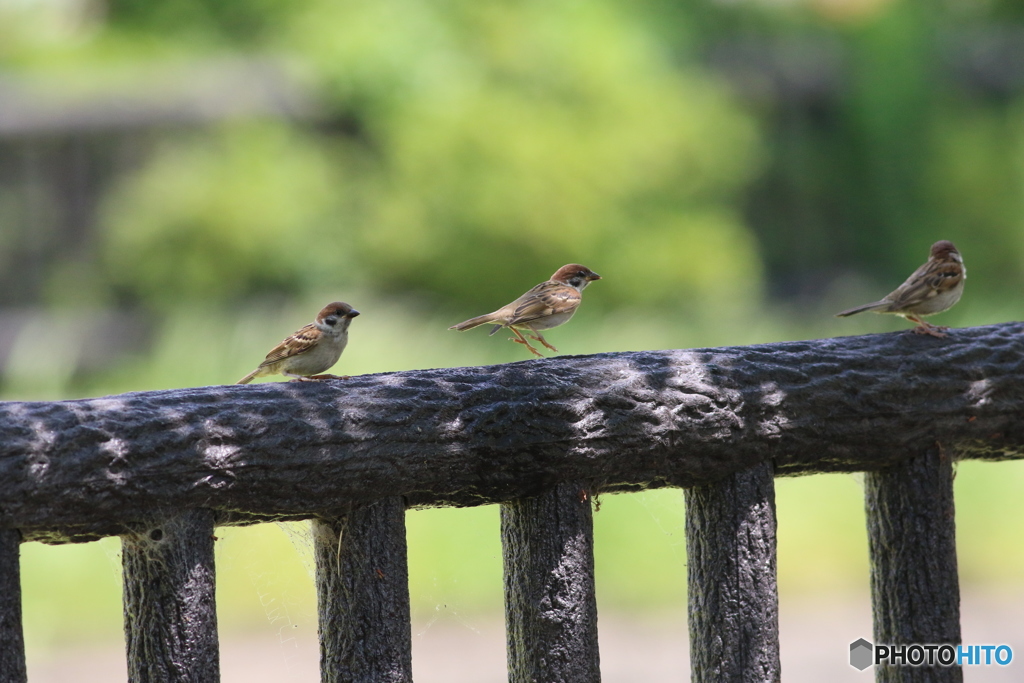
(76,470)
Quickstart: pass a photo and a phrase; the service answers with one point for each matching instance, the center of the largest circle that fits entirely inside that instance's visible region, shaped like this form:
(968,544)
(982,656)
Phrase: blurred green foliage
(544,132)
(214,218)
(463,150)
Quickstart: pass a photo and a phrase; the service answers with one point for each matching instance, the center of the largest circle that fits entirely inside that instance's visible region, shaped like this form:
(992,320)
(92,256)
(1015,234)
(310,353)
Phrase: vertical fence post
(550,604)
(733,595)
(170,615)
(915,591)
(362,582)
(12,639)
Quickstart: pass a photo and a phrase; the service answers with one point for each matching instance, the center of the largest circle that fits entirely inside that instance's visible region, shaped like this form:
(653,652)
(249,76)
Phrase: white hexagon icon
(861,652)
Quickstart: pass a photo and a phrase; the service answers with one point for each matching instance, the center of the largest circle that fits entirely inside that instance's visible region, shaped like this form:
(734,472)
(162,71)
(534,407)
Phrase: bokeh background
(184,183)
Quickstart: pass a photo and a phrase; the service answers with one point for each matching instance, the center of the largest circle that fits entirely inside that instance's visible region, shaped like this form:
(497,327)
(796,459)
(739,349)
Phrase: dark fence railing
(162,469)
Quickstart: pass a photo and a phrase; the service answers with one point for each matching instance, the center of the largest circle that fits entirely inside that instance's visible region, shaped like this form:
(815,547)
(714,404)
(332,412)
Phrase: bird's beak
(352,314)
(593,276)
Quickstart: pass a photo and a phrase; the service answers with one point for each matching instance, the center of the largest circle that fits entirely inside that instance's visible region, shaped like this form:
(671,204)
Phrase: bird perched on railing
(933,288)
(547,305)
(311,350)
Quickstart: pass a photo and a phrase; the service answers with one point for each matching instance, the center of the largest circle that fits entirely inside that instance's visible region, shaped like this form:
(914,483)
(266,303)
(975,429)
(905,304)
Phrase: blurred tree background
(708,156)
(184,183)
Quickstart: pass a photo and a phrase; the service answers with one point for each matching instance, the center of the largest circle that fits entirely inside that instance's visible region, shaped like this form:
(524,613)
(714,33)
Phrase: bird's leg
(522,340)
(542,340)
(328,376)
(527,344)
(927,328)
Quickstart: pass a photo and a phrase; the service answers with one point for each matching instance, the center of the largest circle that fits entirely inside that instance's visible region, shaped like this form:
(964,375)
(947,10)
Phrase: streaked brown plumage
(547,305)
(311,350)
(933,288)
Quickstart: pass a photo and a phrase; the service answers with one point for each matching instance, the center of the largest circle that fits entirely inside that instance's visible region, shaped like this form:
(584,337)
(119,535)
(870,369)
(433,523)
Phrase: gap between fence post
(915,590)
(362,581)
(733,594)
(550,604)
(170,614)
(12,638)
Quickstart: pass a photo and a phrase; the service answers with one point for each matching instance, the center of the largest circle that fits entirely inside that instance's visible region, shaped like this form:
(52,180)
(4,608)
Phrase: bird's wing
(300,342)
(930,280)
(546,299)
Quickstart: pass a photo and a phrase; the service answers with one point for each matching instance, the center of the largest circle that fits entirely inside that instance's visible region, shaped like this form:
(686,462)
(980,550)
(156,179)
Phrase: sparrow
(932,288)
(311,350)
(547,305)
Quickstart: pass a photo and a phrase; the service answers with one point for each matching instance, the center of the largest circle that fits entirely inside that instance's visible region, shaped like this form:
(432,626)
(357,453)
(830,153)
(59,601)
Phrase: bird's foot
(527,345)
(316,378)
(544,341)
(931,330)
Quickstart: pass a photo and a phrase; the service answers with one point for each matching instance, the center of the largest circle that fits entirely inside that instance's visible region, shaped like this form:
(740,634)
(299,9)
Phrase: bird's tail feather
(874,306)
(473,322)
(248,378)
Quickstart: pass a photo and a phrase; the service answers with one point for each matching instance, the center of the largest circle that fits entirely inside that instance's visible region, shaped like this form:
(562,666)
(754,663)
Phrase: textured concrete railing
(162,469)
